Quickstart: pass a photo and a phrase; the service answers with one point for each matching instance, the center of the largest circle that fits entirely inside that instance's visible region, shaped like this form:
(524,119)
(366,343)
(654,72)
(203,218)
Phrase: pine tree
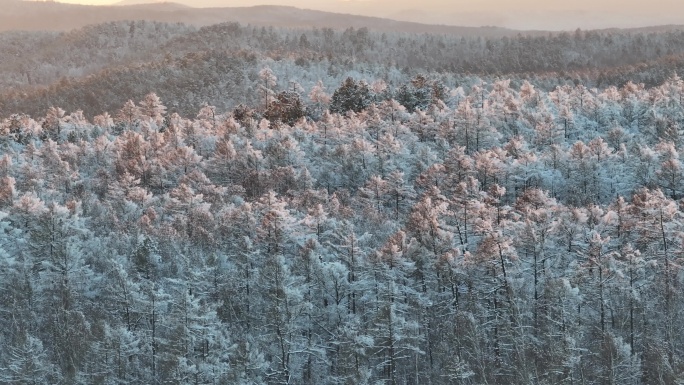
(351,96)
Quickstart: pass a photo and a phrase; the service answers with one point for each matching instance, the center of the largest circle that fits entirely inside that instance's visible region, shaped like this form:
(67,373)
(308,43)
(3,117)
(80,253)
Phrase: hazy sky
(449,5)
(520,14)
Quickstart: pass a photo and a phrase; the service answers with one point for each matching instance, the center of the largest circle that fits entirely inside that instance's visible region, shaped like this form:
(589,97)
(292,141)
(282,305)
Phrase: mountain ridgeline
(97,68)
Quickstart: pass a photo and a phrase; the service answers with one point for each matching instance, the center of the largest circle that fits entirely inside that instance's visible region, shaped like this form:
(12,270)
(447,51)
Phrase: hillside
(97,68)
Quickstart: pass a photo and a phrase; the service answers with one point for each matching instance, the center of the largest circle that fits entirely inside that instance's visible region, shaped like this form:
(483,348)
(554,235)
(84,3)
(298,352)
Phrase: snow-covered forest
(99,67)
(363,234)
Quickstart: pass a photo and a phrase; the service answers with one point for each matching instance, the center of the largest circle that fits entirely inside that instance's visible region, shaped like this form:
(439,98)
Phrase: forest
(99,67)
(368,233)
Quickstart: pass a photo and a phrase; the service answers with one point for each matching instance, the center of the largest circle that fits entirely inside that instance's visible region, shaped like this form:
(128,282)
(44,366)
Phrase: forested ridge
(493,234)
(97,68)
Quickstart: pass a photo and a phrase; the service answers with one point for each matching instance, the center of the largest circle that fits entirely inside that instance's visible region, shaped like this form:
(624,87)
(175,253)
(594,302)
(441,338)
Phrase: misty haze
(341,192)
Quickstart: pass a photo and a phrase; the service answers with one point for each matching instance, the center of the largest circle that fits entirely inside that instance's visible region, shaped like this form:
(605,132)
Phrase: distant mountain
(137,2)
(52,16)
(55,16)
(520,14)
(148,2)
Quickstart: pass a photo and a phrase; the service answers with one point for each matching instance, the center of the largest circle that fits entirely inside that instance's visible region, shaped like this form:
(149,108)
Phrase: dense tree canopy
(496,234)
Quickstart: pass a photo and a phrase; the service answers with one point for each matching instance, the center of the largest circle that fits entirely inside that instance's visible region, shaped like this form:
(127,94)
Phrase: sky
(519,14)
(448,5)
